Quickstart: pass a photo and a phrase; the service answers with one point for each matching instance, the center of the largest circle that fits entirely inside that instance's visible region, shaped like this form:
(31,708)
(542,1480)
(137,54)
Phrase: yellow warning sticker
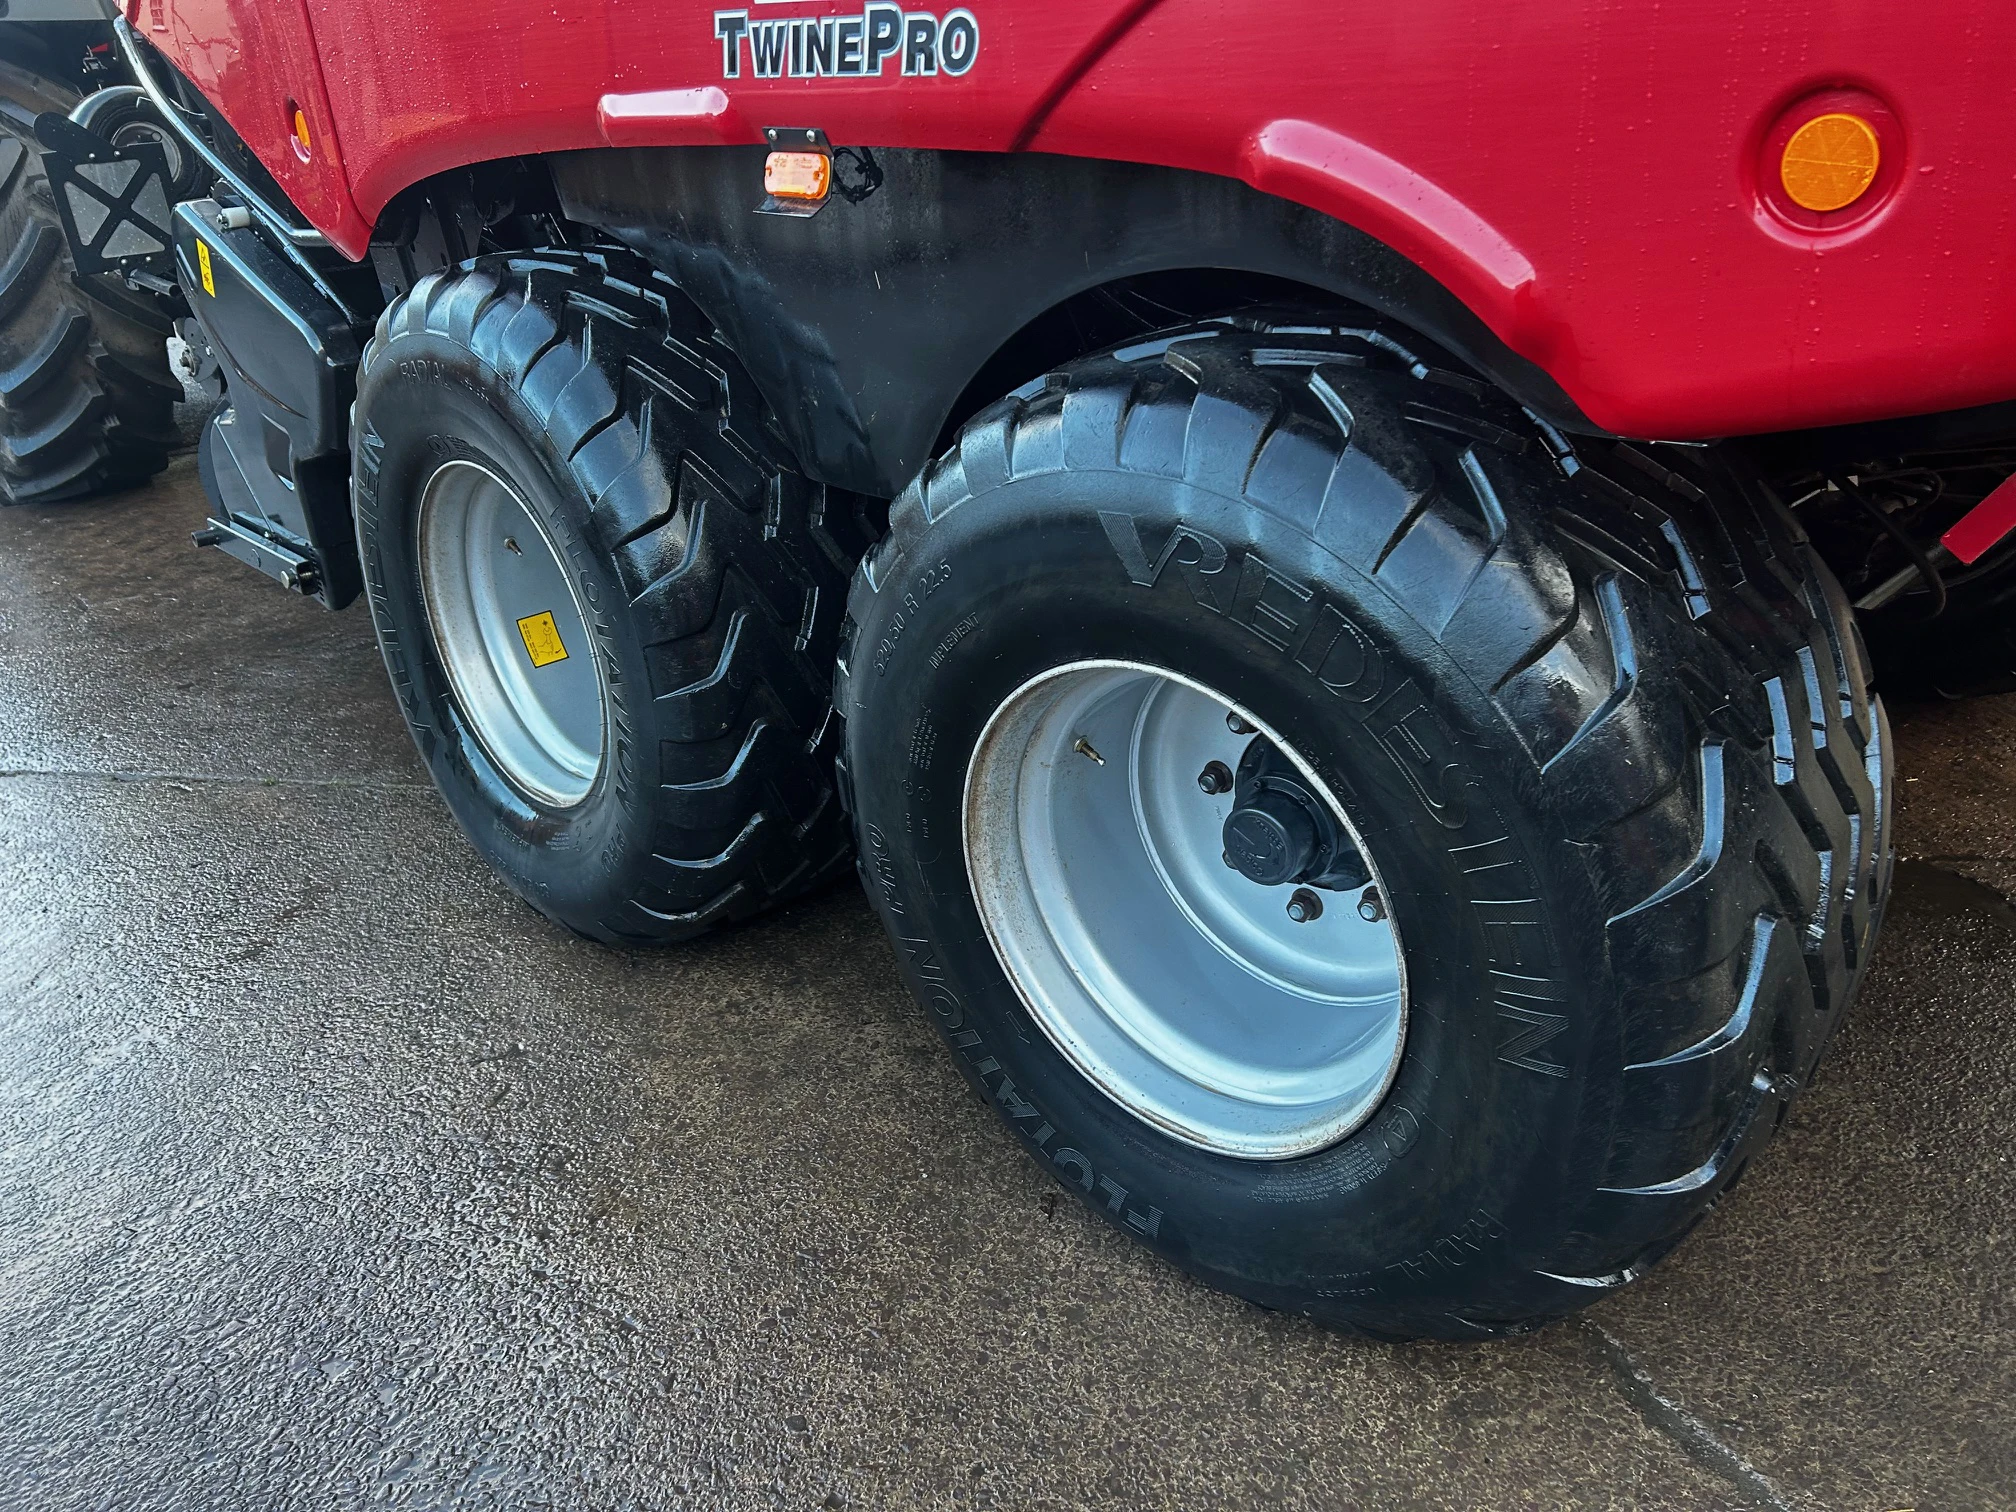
(542,640)
(203,267)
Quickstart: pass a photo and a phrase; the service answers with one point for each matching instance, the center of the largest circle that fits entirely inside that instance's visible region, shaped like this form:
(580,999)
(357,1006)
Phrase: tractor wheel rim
(1184,991)
(511,633)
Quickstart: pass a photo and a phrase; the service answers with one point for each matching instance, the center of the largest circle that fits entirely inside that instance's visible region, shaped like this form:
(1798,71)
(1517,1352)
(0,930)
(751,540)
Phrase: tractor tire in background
(87,402)
(1554,804)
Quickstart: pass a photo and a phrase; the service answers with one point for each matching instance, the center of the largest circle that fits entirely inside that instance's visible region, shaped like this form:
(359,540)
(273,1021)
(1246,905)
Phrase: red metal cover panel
(255,60)
(1595,181)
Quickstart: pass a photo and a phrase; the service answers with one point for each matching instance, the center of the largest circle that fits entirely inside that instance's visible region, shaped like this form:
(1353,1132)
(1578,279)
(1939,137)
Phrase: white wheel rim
(1181,989)
(499,604)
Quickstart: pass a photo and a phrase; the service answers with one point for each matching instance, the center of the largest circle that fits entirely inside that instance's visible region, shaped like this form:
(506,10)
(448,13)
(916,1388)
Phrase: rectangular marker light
(798,175)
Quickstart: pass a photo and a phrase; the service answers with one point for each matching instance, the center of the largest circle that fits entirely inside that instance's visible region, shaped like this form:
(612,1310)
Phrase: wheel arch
(870,324)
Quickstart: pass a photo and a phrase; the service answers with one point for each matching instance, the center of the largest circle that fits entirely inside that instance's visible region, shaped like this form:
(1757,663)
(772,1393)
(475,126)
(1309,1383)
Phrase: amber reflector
(1830,162)
(301,141)
(798,175)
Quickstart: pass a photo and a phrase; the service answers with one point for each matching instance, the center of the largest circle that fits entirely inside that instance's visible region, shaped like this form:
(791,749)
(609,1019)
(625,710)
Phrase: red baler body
(1592,180)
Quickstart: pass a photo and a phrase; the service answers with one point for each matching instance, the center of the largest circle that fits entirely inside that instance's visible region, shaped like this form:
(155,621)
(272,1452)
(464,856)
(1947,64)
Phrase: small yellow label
(203,267)
(542,640)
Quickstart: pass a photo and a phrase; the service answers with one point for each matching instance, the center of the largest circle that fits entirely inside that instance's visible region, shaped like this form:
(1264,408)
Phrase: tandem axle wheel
(1219,1002)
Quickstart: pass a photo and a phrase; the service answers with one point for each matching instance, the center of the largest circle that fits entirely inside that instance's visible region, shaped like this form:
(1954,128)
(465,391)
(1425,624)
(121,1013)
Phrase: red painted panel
(253,59)
(423,85)
(1617,150)
(1590,177)
(1985,526)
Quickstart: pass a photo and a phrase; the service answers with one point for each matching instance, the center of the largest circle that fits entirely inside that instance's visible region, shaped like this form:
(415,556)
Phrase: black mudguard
(276,459)
(865,324)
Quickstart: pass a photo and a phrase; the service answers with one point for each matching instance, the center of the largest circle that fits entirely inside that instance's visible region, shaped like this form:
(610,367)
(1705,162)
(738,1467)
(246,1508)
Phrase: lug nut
(1238,726)
(1216,778)
(1371,907)
(1304,905)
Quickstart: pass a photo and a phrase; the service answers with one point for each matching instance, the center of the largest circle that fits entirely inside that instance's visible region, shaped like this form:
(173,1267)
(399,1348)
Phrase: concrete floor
(331,1176)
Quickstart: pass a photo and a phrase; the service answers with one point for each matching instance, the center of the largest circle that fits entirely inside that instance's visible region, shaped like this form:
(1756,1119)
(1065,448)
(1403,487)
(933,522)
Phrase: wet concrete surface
(332,1176)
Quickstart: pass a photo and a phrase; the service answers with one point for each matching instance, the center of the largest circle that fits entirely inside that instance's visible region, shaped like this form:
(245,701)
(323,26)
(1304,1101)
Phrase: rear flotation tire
(1600,713)
(87,401)
(715,574)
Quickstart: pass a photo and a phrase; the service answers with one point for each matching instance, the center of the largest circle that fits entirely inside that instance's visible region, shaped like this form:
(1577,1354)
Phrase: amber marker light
(303,144)
(1830,162)
(798,175)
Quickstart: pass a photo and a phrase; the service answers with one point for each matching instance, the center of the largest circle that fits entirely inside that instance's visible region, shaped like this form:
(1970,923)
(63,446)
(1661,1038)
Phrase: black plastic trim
(864,326)
(276,459)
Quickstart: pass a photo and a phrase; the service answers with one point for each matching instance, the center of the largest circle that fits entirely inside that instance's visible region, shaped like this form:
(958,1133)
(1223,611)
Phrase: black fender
(865,324)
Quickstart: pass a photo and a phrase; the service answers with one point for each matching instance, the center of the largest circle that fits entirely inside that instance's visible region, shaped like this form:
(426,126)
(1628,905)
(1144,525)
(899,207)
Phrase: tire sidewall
(425,401)
(1463,1165)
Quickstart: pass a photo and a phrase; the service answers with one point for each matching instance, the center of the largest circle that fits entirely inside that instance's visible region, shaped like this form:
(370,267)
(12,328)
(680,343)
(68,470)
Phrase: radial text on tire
(1598,720)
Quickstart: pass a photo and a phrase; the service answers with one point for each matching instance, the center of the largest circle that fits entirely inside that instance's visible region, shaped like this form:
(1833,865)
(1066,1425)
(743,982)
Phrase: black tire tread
(734,563)
(1654,630)
(86,397)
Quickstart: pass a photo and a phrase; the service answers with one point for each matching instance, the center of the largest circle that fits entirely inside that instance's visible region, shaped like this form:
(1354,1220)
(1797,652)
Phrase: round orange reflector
(798,175)
(1830,162)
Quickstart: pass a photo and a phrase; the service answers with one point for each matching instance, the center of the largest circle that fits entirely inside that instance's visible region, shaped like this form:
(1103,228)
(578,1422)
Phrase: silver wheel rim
(511,633)
(1181,989)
